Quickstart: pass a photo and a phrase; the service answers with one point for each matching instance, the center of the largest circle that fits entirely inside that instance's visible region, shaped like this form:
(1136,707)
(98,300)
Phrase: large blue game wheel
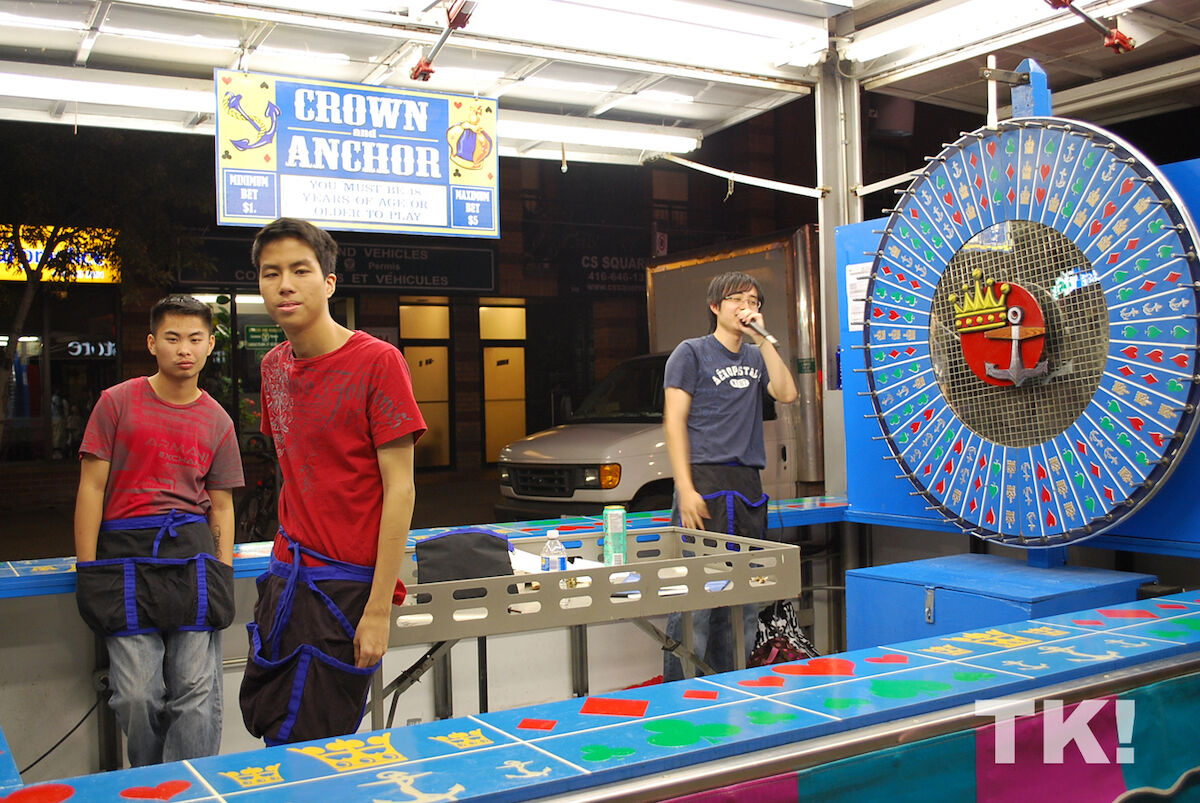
(1031,331)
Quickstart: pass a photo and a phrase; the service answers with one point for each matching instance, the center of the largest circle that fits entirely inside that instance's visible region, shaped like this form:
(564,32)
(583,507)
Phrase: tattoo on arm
(216,534)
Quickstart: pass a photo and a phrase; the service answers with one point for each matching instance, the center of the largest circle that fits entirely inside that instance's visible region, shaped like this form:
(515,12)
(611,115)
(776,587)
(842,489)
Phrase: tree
(77,197)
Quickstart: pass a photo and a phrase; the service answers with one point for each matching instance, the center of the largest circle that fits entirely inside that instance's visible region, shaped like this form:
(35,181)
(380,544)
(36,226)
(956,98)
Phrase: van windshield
(633,392)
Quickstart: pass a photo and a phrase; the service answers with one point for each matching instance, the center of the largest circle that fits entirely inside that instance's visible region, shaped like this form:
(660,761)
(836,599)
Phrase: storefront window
(68,354)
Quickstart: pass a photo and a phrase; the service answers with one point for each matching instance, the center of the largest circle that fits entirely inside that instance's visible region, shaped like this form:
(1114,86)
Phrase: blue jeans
(166,693)
(712,638)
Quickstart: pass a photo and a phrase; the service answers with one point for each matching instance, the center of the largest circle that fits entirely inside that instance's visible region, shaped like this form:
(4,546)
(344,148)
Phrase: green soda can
(614,535)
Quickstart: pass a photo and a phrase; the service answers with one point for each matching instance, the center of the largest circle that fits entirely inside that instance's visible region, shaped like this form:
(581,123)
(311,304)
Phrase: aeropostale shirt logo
(735,372)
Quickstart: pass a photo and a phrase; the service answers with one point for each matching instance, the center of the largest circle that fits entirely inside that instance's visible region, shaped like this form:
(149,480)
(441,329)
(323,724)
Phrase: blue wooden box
(923,598)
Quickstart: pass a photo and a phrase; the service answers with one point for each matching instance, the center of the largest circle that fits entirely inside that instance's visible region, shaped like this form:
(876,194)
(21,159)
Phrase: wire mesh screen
(1055,271)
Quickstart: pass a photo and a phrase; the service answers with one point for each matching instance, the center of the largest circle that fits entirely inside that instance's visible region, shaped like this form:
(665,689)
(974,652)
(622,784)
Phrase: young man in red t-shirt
(339,406)
(154,540)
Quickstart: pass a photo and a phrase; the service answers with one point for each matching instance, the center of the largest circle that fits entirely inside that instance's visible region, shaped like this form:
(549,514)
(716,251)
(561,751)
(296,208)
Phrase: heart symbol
(1155,356)
(957,216)
(45,793)
(164,791)
(1157,437)
(458,104)
(948,198)
(1095,229)
(990,518)
(889,658)
(991,148)
(1181,360)
(817,666)
(1046,495)
(1109,208)
(225,79)
(765,680)
(1136,423)
(1126,186)
(1044,170)
(1041,194)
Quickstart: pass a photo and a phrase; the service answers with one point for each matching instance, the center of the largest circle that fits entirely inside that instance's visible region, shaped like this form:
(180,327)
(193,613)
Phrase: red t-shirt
(328,415)
(163,456)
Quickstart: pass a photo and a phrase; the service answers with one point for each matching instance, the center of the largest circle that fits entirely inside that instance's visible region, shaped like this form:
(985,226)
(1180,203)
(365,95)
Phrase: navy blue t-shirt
(725,421)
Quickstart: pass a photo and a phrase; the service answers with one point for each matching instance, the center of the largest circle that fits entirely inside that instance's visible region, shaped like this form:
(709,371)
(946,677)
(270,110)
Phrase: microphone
(763,333)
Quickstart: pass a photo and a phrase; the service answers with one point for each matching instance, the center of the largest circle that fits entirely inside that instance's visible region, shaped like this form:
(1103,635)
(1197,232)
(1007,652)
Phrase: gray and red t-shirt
(163,456)
(328,416)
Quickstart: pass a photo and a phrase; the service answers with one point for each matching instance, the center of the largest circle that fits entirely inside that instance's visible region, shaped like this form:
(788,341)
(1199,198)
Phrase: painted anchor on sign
(1177,304)
(1150,308)
(1061,181)
(1109,172)
(956,170)
(406,781)
(1069,153)
(1028,496)
(1129,312)
(1111,457)
(266,133)
(1095,439)
(522,768)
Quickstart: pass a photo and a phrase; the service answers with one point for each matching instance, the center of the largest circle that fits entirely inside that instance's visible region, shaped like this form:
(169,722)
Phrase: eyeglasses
(752,302)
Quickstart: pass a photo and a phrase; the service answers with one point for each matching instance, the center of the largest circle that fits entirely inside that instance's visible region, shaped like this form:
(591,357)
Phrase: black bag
(463,554)
(780,638)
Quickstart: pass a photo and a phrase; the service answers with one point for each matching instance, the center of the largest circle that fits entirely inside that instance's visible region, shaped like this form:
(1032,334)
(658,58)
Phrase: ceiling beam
(95,20)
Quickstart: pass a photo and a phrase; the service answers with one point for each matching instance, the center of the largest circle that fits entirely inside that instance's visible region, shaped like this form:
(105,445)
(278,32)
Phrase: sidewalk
(443,500)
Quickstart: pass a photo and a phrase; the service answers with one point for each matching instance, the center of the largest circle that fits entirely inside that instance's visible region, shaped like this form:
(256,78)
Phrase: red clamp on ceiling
(1119,42)
(457,15)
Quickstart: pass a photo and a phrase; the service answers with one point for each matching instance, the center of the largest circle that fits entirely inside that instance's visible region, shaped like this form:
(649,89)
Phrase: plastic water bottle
(554,555)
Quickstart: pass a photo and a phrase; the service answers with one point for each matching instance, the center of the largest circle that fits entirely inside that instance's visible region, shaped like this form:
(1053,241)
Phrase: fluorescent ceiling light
(97,91)
(191,40)
(596,133)
(18,21)
(948,24)
(572,86)
(290,53)
(662,96)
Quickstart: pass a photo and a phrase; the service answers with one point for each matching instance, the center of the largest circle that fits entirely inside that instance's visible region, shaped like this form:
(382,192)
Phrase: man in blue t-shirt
(712,414)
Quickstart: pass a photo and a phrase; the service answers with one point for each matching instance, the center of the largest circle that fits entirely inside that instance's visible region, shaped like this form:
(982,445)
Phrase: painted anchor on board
(522,768)
(406,782)
(1080,657)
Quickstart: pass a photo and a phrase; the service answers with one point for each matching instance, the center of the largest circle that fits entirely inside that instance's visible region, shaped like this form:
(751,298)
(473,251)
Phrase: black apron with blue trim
(301,682)
(735,499)
(155,574)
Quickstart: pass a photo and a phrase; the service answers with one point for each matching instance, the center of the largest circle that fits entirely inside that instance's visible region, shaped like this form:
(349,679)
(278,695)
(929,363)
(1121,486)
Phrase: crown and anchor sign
(1001,330)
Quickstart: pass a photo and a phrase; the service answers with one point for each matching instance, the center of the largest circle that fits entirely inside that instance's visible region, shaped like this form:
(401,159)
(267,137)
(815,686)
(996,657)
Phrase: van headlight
(604,476)
(505,476)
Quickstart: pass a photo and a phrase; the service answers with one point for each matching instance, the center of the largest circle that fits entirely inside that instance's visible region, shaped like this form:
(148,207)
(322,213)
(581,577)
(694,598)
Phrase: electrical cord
(63,739)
